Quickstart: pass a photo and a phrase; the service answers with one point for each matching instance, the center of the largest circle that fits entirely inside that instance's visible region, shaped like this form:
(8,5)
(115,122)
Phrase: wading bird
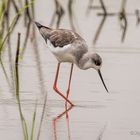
(68,46)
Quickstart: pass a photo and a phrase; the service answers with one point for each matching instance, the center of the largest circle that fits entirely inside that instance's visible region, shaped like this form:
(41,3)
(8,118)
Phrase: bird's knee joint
(55,88)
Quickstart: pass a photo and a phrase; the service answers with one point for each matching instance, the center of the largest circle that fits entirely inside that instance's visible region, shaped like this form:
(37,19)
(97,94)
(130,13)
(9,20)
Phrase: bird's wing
(62,37)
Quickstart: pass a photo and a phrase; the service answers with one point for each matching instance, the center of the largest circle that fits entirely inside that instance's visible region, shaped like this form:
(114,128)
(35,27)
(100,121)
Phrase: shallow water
(97,114)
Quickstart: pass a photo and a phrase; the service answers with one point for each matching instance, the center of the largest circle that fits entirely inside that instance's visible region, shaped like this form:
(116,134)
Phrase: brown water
(97,114)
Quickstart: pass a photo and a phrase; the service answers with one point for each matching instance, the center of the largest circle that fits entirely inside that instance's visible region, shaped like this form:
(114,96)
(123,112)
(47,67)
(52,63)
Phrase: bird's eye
(97,63)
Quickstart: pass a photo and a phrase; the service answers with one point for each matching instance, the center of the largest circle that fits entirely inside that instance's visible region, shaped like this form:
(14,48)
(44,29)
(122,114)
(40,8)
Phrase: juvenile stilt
(68,46)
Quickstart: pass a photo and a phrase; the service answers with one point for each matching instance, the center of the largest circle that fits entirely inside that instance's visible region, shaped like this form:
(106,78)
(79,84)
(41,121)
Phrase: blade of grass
(2,13)
(23,122)
(33,122)
(42,117)
(3,6)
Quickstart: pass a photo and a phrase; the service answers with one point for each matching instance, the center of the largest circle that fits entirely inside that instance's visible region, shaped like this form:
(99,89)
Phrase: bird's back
(60,37)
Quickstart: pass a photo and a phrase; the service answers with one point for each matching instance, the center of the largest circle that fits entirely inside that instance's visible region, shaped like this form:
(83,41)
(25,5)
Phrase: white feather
(63,54)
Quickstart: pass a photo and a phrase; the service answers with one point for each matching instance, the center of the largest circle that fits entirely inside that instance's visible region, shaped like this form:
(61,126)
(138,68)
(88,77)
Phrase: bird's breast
(63,54)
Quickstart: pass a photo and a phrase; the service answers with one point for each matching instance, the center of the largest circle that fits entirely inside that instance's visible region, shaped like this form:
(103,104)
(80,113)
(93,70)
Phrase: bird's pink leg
(55,86)
(69,84)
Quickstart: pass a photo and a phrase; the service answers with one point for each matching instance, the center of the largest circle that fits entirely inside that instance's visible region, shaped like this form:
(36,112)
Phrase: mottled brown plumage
(62,37)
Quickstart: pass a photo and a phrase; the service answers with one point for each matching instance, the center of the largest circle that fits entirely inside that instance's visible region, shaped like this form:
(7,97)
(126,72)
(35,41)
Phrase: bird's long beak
(99,72)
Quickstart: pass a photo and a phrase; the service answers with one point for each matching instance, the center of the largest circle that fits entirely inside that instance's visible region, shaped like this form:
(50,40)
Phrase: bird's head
(93,60)
(96,61)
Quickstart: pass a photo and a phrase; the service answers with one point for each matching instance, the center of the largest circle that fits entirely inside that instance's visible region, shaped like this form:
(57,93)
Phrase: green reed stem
(33,122)
(3,6)
(23,122)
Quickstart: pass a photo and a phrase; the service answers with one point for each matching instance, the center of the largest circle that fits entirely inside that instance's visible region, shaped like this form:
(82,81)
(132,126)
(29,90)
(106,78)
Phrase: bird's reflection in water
(65,114)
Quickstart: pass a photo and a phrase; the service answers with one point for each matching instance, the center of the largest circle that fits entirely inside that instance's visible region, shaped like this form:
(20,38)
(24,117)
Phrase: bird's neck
(83,62)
